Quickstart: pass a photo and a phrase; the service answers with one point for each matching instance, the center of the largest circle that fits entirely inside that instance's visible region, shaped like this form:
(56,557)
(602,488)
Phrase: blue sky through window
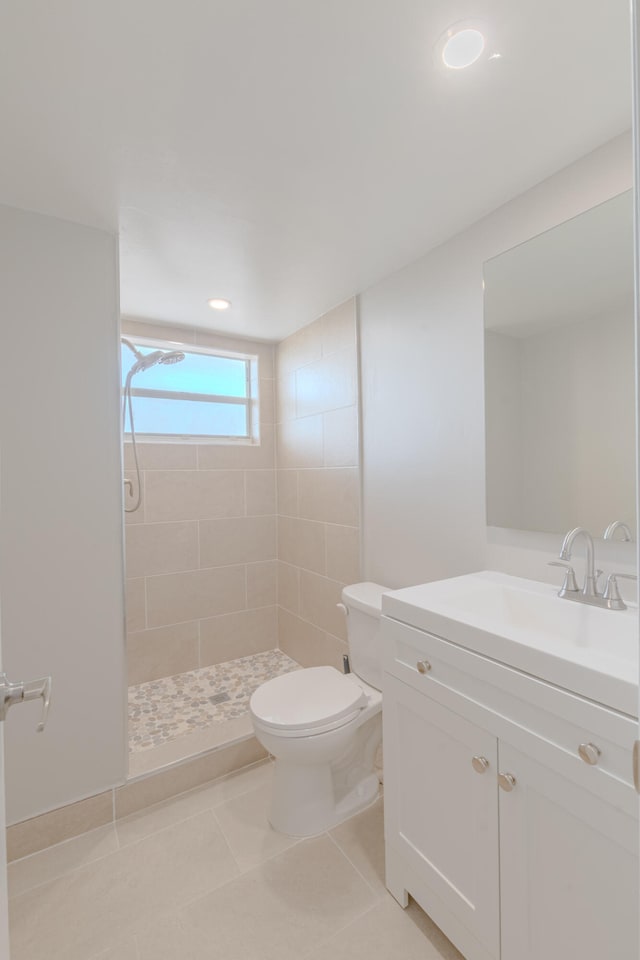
(199,374)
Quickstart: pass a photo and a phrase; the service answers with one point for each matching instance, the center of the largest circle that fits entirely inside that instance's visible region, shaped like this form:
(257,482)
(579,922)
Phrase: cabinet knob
(423,666)
(506,781)
(589,753)
(480,764)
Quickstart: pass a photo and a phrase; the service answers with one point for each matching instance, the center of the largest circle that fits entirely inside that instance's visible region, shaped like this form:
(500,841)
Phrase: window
(208,395)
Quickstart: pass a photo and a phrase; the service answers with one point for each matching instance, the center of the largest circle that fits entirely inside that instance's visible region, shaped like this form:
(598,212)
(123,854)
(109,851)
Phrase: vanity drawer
(557,726)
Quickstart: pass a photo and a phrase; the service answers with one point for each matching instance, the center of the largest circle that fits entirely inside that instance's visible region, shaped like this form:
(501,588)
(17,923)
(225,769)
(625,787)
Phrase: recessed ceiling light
(219,304)
(461,46)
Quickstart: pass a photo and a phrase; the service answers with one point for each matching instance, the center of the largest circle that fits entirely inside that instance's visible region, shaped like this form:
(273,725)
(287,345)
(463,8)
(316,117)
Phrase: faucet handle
(569,585)
(611,592)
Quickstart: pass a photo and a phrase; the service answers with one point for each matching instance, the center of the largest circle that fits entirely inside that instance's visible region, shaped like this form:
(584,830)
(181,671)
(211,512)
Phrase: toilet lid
(306,698)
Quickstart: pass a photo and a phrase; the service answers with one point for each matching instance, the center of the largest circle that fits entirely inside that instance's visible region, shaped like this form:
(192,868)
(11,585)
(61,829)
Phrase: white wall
(423,400)
(61,551)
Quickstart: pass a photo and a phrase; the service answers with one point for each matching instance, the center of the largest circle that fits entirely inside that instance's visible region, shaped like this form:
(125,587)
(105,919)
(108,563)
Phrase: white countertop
(588,650)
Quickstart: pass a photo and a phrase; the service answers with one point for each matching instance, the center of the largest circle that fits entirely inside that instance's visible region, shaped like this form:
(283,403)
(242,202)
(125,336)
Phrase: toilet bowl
(324,728)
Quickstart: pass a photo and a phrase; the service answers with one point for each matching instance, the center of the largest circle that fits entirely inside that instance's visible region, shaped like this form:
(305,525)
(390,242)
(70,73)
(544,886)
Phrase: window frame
(251,402)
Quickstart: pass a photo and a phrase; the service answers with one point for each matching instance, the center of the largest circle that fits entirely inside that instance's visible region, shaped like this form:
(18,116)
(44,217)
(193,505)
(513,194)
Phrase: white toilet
(324,727)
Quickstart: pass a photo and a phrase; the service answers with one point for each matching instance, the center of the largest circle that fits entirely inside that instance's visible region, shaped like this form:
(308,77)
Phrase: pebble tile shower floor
(173,707)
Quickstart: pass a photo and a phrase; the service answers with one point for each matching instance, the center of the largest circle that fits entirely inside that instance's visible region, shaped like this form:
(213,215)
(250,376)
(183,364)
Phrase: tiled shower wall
(318,484)
(201,551)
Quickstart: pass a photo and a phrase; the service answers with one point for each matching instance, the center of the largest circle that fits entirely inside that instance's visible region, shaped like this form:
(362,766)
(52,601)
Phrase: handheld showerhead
(133,349)
(172,356)
(142,362)
(157,356)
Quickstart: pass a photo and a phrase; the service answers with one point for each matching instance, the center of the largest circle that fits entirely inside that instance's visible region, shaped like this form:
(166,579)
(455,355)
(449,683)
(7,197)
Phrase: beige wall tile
(300,640)
(135,604)
(162,456)
(340,431)
(316,406)
(301,543)
(138,794)
(318,599)
(343,553)
(237,540)
(58,825)
(330,495)
(238,635)
(135,516)
(300,348)
(287,484)
(161,548)
(339,328)
(300,443)
(289,587)
(330,651)
(193,494)
(260,490)
(162,652)
(307,644)
(229,456)
(286,397)
(178,597)
(266,394)
(262,583)
(327,384)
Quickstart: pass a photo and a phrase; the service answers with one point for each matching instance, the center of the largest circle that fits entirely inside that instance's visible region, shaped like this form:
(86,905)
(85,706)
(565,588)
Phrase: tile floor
(204,877)
(184,715)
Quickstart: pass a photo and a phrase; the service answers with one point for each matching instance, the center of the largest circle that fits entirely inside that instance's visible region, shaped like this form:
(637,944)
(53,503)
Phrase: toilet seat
(307,702)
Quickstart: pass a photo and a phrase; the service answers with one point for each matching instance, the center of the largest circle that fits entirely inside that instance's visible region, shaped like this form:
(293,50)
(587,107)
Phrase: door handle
(12,693)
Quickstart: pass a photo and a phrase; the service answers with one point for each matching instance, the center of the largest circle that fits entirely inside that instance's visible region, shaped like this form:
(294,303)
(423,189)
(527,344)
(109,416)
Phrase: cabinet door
(441,817)
(568,867)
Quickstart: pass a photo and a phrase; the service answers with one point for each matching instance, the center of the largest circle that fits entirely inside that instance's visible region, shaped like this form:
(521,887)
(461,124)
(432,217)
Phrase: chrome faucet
(610,599)
(618,525)
(589,591)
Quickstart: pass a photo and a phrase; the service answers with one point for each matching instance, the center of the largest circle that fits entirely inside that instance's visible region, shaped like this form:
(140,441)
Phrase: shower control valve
(12,693)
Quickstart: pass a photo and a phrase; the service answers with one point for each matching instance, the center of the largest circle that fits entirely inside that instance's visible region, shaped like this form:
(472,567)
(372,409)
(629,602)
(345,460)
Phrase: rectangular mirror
(560,376)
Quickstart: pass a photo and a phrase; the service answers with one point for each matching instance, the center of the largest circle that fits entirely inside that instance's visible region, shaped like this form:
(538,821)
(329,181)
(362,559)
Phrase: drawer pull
(506,781)
(480,764)
(589,753)
(423,666)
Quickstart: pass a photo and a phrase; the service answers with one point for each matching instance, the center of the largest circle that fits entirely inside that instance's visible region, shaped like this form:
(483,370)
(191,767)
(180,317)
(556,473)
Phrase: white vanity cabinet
(516,846)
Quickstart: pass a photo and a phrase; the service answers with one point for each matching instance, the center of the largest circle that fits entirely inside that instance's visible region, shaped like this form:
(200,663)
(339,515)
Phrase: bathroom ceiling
(286,154)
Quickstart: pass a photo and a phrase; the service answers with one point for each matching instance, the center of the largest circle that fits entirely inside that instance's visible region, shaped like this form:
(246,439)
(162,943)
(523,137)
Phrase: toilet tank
(363,602)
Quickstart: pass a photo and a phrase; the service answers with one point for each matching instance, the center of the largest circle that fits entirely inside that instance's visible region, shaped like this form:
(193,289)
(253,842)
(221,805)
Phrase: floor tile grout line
(163,804)
(348,858)
(71,870)
(123,846)
(340,930)
(295,842)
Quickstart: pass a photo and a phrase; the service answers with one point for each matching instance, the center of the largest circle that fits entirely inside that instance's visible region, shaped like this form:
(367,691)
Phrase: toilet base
(309,798)
(308,808)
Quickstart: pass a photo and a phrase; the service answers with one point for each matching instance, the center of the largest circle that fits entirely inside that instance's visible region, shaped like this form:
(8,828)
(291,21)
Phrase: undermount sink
(523,623)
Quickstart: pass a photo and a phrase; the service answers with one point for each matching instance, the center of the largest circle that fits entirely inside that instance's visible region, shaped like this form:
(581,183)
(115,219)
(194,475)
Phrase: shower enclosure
(200,528)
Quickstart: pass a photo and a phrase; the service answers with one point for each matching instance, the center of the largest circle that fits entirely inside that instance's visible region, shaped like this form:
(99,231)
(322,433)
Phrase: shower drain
(219,698)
